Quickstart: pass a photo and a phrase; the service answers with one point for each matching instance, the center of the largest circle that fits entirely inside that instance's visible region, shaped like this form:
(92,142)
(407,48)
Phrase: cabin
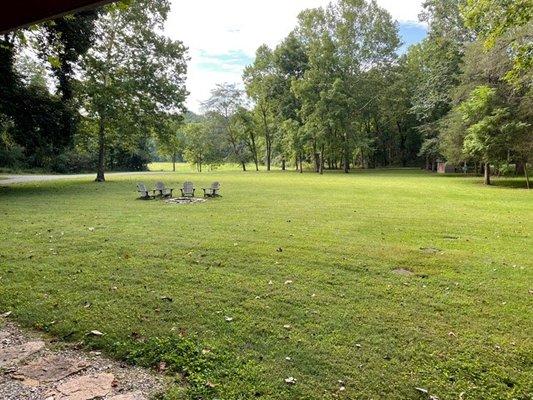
(444,167)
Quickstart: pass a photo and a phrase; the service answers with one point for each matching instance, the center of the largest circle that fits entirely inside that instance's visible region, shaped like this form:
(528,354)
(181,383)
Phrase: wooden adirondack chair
(163,191)
(143,192)
(212,191)
(188,189)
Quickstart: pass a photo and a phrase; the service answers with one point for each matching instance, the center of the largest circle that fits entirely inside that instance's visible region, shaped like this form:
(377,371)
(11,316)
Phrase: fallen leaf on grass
(6,314)
(287,326)
(166,298)
(228,319)
(288,282)
(290,380)
(95,333)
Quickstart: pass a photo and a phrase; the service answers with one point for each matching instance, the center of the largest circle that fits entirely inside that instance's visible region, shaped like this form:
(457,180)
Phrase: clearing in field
(290,286)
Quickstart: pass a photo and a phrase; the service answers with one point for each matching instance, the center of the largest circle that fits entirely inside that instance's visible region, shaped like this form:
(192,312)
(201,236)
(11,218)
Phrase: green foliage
(496,19)
(308,93)
(221,108)
(134,75)
(491,19)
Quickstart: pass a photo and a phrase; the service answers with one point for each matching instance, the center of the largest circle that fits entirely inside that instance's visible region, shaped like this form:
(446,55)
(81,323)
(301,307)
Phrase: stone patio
(31,368)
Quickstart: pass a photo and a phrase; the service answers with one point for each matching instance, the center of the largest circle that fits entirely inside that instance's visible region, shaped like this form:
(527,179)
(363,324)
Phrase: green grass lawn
(302,264)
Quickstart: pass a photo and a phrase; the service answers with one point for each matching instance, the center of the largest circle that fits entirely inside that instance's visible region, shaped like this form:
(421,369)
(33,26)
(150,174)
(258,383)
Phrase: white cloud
(211,28)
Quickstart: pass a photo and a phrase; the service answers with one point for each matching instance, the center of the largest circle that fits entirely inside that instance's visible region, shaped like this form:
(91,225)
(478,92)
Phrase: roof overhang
(22,13)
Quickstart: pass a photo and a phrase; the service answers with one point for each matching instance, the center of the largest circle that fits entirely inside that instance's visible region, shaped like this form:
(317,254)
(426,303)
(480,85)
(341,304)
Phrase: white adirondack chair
(212,191)
(188,189)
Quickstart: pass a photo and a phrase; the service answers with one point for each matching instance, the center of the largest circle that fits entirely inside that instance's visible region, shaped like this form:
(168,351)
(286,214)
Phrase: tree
(486,138)
(496,19)
(134,76)
(244,123)
(171,140)
(224,103)
(258,79)
(197,144)
(34,114)
(62,42)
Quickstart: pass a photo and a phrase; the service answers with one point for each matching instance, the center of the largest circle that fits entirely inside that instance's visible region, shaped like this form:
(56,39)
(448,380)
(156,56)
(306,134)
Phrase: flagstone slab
(86,387)
(15,354)
(51,368)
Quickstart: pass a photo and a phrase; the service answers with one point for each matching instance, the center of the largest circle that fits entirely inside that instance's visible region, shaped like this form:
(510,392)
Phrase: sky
(222,35)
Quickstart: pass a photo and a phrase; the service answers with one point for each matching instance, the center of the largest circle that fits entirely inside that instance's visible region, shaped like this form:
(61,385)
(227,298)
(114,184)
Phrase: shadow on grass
(513,183)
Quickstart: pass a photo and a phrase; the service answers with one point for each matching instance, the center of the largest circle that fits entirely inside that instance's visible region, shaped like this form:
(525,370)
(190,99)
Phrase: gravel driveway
(7,179)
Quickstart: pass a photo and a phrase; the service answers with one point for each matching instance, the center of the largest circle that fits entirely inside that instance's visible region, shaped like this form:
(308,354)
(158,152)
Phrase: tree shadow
(512,183)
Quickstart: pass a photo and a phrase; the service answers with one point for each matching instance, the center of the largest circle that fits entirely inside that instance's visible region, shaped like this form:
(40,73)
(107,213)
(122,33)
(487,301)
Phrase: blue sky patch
(226,62)
(411,33)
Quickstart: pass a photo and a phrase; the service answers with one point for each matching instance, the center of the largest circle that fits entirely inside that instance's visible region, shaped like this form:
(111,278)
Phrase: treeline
(90,91)
(106,89)
(335,94)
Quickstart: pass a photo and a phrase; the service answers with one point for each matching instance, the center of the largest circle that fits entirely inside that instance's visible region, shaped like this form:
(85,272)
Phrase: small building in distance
(444,167)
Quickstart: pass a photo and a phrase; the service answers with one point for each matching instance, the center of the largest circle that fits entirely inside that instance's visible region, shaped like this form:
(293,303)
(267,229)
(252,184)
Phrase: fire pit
(185,200)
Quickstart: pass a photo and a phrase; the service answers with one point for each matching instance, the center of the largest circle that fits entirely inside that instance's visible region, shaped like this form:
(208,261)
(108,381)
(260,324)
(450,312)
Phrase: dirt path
(7,179)
(32,368)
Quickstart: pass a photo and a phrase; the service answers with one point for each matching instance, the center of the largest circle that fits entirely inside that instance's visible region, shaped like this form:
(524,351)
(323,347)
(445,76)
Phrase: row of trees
(101,83)
(335,94)
(98,90)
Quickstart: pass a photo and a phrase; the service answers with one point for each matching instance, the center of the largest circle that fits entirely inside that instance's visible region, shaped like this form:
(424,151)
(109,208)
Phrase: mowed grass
(303,265)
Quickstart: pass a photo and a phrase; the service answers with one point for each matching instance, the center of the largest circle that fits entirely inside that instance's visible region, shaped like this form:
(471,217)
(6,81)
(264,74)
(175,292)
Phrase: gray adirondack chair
(212,191)
(188,189)
(163,191)
(143,192)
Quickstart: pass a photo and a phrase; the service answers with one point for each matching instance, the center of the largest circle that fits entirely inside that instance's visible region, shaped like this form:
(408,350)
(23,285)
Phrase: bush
(11,156)
(73,161)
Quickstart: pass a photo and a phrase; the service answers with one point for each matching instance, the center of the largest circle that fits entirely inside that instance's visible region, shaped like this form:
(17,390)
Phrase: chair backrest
(141,188)
(160,186)
(215,185)
(188,187)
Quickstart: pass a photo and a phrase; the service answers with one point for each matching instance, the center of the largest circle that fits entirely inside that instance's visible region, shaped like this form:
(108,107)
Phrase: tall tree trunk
(301,164)
(283,163)
(346,158)
(101,151)
(526,175)
(316,156)
(268,138)
(253,149)
(487,174)
(256,161)
(243,166)
(321,159)
(174,162)
(268,154)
